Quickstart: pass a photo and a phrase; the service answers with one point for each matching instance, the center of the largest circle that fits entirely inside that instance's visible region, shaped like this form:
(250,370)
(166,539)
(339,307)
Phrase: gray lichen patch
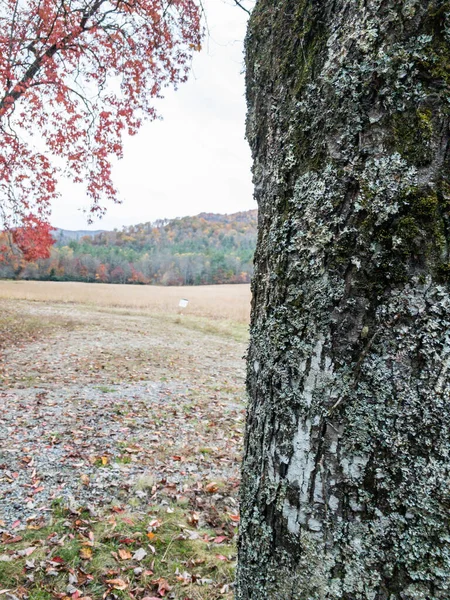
(346,489)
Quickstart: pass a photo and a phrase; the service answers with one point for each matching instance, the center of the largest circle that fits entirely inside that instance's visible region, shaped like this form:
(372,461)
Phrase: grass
(105,389)
(222,327)
(99,557)
(31,311)
(225,302)
(26,328)
(190,546)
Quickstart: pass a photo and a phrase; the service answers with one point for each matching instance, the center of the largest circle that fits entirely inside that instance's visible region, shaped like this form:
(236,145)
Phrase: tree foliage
(75,76)
(204,249)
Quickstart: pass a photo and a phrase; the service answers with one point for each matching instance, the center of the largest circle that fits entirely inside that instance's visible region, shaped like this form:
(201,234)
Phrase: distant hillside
(205,249)
(64,236)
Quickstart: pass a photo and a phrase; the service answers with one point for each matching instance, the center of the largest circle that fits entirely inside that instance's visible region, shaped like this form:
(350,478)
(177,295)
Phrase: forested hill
(205,249)
(64,236)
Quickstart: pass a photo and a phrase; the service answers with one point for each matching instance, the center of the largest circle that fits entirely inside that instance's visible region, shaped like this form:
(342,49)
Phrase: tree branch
(241,6)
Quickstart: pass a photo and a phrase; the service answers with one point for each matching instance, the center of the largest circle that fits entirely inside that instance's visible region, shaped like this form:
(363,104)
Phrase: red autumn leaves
(76,76)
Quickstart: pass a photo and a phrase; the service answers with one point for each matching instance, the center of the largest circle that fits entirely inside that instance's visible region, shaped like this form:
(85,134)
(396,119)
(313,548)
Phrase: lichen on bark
(345,489)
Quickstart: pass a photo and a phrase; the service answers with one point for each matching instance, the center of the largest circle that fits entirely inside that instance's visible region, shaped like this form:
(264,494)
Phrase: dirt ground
(109,410)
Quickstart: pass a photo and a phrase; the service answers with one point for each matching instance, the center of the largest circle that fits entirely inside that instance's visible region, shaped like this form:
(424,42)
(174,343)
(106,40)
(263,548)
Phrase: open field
(121,424)
(212,301)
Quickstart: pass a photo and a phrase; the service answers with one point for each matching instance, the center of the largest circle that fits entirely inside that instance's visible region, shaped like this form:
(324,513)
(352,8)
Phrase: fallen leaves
(163,586)
(124,554)
(86,553)
(212,487)
(7,538)
(26,551)
(117,584)
(220,539)
(169,453)
(193,519)
(139,563)
(140,554)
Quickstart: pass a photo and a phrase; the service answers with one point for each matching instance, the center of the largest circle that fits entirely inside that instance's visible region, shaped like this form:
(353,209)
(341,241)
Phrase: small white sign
(183,303)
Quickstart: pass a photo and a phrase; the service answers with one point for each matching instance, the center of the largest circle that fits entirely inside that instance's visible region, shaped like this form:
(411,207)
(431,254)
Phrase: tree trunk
(345,491)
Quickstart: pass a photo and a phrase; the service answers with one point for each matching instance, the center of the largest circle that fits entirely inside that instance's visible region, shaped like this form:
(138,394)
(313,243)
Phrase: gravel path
(114,408)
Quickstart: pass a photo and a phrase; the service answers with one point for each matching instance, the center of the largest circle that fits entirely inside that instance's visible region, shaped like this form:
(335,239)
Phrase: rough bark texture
(345,491)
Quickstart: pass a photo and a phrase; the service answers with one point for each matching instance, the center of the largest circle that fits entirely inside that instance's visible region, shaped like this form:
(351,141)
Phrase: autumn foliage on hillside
(205,249)
(75,75)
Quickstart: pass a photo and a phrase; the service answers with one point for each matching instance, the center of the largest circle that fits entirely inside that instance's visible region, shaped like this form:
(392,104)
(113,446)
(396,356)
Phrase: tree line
(204,249)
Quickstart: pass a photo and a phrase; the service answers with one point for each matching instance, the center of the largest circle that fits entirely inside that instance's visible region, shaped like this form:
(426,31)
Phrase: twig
(241,6)
(167,549)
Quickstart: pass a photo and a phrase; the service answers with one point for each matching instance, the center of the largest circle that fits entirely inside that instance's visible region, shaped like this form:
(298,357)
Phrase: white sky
(196,159)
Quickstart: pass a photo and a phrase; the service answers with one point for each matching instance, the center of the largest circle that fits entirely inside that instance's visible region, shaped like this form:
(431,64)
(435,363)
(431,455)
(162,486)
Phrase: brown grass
(228,302)
(23,328)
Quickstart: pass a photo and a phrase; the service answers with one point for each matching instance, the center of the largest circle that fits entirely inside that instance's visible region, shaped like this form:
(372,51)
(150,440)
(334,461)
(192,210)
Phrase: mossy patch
(412,133)
(436,63)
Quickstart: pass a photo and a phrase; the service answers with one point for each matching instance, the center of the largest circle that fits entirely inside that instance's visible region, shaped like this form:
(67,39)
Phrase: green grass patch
(131,555)
(220,327)
(105,389)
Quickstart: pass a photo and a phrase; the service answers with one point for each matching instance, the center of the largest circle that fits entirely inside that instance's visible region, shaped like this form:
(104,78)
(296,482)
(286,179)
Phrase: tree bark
(345,490)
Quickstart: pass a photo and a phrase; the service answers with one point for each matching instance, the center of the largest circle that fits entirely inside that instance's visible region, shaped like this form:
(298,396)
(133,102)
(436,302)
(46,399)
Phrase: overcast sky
(196,159)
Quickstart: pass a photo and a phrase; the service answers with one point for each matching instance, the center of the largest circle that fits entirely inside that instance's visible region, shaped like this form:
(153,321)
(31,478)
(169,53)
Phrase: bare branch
(241,6)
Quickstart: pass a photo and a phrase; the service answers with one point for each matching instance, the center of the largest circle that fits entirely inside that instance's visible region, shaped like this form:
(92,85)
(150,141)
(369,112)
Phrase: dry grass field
(229,302)
(121,420)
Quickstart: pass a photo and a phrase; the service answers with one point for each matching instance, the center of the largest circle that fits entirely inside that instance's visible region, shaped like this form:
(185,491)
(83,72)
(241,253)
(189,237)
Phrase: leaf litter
(119,468)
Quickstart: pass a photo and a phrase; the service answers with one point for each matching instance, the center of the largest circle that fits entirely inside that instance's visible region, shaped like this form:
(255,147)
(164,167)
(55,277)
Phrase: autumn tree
(345,487)
(25,244)
(75,76)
